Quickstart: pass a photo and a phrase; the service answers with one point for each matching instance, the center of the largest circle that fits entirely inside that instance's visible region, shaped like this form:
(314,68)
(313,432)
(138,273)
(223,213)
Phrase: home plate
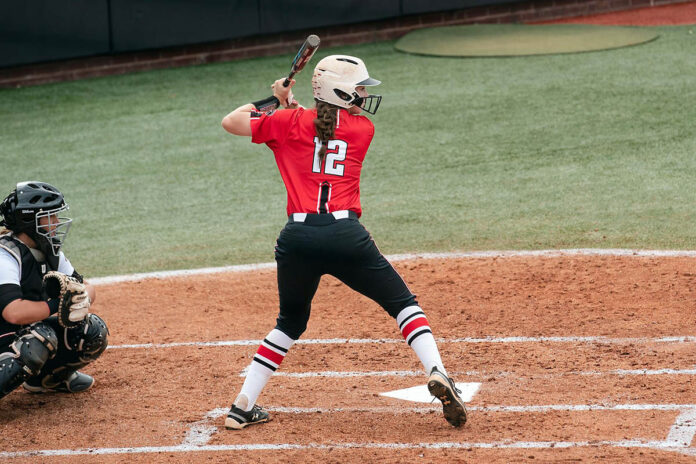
(420,394)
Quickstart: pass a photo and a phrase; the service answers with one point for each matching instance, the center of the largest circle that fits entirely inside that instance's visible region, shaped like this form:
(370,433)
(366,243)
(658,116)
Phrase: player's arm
(21,312)
(17,310)
(13,307)
(238,121)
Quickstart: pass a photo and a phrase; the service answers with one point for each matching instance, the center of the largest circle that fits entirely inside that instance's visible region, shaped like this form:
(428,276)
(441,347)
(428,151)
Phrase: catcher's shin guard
(80,346)
(89,339)
(30,351)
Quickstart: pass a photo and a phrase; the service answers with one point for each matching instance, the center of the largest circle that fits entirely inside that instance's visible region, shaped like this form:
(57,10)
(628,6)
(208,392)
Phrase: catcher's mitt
(73,301)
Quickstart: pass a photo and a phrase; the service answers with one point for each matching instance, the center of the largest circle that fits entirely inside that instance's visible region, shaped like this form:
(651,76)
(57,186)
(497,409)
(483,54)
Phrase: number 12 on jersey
(335,151)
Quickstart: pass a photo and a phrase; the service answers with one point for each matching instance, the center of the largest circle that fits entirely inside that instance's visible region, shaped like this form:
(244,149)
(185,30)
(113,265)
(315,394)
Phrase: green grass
(584,150)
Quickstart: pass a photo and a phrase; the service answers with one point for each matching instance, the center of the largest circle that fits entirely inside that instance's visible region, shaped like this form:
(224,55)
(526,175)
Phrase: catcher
(46,330)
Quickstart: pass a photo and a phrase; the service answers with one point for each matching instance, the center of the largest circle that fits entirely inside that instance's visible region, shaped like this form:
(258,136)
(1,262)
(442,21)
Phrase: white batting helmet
(336,78)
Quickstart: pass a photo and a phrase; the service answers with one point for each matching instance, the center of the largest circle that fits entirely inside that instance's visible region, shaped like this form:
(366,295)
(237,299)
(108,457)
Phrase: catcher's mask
(36,208)
(336,79)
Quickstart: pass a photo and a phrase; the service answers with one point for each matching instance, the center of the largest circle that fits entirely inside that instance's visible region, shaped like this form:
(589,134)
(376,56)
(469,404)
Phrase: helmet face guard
(35,208)
(52,228)
(369,103)
(336,79)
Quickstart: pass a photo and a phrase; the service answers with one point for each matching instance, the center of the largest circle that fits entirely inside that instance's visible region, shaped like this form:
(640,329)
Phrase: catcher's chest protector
(32,271)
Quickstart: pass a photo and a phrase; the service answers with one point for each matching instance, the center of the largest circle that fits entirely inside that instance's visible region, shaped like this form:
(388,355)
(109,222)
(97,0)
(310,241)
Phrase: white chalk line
(502,340)
(406,257)
(201,432)
(682,431)
(527,373)
(683,421)
(192,448)
(341,341)
(678,439)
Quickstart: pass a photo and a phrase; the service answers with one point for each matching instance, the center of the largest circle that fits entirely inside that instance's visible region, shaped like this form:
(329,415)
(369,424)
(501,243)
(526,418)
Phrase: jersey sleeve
(9,268)
(10,289)
(270,128)
(64,265)
(8,294)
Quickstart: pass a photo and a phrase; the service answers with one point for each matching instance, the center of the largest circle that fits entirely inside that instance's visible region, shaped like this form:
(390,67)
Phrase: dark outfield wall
(33,31)
(42,30)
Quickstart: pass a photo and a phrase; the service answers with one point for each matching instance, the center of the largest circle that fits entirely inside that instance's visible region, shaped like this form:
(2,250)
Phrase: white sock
(416,330)
(268,357)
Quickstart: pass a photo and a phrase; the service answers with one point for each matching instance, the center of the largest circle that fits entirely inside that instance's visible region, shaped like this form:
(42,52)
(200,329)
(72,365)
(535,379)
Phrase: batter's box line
(680,435)
(599,340)
(678,439)
(352,374)
(238,268)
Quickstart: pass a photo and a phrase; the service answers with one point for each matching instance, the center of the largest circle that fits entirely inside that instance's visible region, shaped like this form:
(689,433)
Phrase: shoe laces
(454,386)
(256,412)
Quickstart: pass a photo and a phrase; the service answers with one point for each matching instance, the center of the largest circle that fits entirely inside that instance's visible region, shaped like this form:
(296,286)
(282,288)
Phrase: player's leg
(363,268)
(298,279)
(31,349)
(381,283)
(77,347)
(357,262)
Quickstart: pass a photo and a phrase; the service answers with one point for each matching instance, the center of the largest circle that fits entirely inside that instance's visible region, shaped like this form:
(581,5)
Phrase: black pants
(342,248)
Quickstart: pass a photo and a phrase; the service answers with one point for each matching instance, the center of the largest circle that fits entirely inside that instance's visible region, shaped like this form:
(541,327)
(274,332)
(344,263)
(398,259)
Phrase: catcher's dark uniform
(45,349)
(323,234)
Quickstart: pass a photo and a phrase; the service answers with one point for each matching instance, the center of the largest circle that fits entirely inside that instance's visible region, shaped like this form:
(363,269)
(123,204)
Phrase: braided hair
(325,123)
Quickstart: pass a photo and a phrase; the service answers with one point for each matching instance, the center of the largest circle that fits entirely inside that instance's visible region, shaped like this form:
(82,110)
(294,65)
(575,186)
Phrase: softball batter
(319,153)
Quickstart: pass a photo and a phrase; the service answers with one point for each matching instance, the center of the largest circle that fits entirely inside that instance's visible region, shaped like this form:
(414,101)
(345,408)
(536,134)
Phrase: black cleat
(77,382)
(237,418)
(443,388)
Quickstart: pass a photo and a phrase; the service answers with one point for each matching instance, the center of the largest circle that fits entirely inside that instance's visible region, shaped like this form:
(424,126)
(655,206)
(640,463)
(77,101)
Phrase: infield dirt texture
(580,357)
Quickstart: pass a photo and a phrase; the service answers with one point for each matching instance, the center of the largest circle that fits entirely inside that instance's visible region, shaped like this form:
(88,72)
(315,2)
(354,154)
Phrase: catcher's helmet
(23,209)
(337,76)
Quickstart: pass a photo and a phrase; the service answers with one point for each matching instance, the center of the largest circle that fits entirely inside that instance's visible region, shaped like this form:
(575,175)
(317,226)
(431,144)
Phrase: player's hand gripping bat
(303,56)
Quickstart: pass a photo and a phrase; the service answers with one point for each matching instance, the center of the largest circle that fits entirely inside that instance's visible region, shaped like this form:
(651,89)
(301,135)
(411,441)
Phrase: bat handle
(286,82)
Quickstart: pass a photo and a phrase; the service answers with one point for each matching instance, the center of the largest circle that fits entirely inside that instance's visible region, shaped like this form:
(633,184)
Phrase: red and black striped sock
(270,354)
(267,359)
(416,331)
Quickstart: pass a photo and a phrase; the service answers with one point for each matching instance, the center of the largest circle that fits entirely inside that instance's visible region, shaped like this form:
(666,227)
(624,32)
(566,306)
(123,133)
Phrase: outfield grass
(583,150)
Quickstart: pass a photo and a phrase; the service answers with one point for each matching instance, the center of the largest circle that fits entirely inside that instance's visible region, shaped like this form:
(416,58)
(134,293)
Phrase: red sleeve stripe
(270,354)
(413,325)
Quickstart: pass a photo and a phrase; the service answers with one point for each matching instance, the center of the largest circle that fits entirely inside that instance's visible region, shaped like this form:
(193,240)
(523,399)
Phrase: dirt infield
(579,358)
(611,385)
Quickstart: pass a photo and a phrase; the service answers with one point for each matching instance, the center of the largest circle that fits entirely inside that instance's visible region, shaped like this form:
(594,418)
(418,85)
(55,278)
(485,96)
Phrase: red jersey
(293,138)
